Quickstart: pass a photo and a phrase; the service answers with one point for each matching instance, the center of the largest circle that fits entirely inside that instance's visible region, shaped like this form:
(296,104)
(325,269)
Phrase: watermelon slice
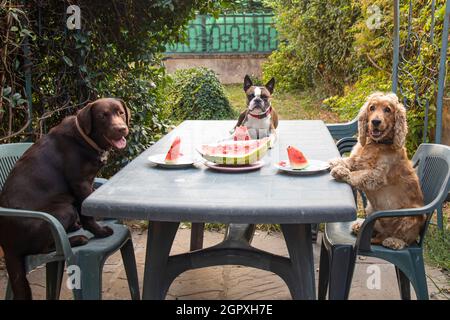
(296,158)
(235,152)
(174,152)
(241,133)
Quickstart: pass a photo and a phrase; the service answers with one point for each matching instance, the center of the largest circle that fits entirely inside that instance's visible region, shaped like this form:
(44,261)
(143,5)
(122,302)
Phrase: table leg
(197,231)
(159,242)
(299,244)
(240,232)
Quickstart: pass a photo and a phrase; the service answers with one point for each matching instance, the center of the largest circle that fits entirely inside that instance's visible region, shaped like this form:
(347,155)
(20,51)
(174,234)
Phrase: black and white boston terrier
(260,118)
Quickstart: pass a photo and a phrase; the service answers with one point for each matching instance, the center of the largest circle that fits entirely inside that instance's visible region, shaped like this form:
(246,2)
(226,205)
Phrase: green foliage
(354,95)
(316,44)
(437,247)
(196,93)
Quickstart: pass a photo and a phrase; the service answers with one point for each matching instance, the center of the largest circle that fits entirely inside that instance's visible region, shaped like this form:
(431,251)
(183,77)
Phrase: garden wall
(230,68)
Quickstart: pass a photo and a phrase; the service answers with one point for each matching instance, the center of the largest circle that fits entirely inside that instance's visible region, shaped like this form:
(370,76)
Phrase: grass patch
(437,248)
(293,105)
(221,227)
(437,243)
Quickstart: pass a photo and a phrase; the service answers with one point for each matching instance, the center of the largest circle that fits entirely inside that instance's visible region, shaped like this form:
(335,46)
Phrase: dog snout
(122,129)
(376,122)
(257,101)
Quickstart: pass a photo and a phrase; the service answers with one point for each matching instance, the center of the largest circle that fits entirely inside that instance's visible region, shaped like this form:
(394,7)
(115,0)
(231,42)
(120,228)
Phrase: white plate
(159,159)
(315,166)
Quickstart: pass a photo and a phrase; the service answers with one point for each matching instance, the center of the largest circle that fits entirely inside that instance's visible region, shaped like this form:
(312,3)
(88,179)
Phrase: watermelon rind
(300,167)
(246,158)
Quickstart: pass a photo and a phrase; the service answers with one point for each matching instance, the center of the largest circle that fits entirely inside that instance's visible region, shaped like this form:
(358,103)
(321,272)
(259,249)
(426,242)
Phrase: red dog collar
(261,115)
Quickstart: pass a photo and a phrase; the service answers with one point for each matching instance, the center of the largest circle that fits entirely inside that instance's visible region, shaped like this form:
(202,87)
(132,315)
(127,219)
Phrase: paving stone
(237,282)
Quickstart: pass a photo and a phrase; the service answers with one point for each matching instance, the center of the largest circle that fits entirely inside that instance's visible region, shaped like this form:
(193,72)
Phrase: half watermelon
(174,152)
(235,152)
(296,158)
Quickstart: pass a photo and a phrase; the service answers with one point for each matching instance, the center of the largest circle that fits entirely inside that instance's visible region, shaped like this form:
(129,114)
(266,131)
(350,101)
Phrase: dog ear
(362,124)
(84,117)
(127,111)
(247,82)
(271,85)
(400,126)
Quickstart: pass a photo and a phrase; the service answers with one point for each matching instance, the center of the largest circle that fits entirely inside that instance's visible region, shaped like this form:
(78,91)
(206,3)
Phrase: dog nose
(122,129)
(376,122)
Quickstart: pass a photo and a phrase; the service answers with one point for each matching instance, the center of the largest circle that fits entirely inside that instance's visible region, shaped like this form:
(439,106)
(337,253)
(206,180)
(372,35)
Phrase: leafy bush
(316,44)
(354,96)
(196,93)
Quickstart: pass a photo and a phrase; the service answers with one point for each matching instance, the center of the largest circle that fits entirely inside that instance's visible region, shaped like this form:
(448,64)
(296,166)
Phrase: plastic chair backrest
(9,154)
(432,162)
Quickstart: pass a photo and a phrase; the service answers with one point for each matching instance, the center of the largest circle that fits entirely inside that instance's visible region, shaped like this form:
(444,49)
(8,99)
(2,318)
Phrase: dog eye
(264,97)
(387,110)
(372,108)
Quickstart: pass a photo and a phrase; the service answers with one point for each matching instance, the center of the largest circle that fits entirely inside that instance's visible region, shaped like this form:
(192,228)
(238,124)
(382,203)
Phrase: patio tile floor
(234,282)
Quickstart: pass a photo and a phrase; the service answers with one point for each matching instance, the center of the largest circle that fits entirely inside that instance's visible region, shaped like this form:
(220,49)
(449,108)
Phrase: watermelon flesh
(174,152)
(296,158)
(241,133)
(235,152)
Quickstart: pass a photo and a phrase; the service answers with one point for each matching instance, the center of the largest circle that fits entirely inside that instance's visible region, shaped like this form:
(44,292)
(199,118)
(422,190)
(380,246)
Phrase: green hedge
(197,94)
(316,44)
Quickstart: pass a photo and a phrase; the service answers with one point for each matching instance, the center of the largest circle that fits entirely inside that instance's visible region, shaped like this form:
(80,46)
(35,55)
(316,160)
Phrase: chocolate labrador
(55,175)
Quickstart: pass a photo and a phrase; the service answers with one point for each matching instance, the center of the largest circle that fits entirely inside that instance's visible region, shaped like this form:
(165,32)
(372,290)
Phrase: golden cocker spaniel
(379,166)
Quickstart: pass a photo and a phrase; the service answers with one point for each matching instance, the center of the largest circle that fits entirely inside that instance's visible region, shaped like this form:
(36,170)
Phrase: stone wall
(230,68)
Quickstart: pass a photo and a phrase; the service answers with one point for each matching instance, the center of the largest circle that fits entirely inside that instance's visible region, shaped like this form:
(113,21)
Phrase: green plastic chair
(89,258)
(343,130)
(340,247)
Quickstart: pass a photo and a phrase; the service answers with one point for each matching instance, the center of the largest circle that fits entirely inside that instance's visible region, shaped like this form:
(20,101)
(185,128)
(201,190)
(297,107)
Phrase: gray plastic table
(166,197)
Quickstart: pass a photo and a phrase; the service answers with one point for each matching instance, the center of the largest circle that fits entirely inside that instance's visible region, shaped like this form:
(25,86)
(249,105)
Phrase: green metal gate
(230,33)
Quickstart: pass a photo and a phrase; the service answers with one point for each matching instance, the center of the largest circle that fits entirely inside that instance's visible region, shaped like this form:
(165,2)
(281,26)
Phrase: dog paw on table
(340,173)
(336,162)
(356,227)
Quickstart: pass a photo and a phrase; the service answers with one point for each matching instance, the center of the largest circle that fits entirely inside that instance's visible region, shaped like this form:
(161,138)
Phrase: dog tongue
(119,144)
